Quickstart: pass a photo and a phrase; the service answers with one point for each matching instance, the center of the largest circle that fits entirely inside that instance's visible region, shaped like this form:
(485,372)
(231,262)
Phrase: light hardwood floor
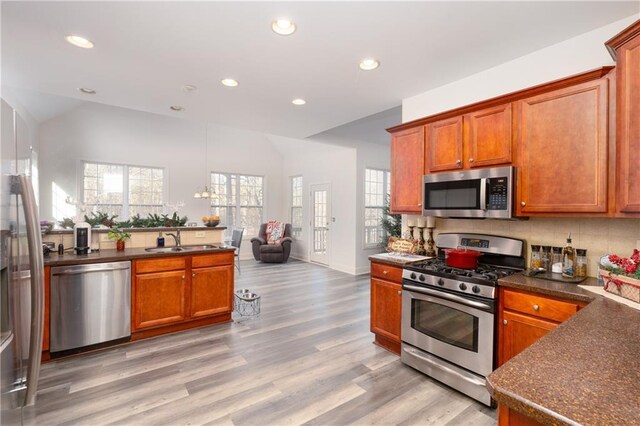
(308,359)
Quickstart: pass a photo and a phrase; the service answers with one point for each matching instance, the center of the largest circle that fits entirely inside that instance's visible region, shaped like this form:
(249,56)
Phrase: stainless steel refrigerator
(21,273)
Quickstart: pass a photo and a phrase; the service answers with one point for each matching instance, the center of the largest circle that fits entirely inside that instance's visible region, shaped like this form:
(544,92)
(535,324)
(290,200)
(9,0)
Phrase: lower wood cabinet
(181,291)
(386,305)
(47,302)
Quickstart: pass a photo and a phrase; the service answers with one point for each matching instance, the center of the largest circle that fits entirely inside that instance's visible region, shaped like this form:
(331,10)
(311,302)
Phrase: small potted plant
(120,236)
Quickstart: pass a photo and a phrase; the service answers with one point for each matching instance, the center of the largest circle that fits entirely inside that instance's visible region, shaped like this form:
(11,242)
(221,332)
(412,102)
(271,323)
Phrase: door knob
(522,203)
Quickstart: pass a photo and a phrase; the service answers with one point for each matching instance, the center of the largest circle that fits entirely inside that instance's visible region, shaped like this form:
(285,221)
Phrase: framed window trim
(386,186)
(125,183)
(298,206)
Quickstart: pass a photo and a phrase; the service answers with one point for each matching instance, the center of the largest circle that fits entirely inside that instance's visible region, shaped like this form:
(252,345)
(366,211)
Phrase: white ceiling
(145,51)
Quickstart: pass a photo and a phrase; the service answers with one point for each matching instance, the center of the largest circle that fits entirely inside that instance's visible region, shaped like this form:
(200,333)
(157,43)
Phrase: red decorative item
(120,245)
(462,258)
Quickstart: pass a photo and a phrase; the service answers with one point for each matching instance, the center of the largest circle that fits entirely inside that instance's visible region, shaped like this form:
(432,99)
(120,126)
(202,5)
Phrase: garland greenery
(151,221)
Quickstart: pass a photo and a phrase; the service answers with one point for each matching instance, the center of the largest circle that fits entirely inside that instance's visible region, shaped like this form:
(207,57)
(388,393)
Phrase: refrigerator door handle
(22,186)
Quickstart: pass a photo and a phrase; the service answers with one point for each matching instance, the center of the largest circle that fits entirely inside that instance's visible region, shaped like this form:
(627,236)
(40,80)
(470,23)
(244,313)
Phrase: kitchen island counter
(586,371)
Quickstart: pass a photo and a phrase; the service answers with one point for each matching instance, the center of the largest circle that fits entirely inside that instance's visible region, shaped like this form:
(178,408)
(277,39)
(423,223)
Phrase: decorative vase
(120,245)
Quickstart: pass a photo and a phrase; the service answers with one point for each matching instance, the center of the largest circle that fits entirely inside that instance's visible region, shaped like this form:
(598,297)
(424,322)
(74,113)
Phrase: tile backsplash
(598,236)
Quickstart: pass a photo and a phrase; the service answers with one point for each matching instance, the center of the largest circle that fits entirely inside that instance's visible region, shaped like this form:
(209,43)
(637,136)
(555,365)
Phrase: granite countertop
(54,259)
(586,371)
(395,259)
(550,288)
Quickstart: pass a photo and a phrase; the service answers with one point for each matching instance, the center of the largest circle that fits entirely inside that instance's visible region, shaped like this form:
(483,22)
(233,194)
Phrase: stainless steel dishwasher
(90,304)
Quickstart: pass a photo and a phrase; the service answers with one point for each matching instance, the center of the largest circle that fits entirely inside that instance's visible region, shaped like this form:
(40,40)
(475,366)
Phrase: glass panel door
(447,324)
(320,223)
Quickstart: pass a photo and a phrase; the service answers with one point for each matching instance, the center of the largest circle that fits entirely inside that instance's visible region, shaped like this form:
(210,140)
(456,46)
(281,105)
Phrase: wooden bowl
(212,223)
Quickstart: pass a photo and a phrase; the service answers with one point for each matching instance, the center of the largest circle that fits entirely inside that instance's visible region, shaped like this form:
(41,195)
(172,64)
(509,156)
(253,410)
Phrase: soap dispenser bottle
(160,240)
(568,260)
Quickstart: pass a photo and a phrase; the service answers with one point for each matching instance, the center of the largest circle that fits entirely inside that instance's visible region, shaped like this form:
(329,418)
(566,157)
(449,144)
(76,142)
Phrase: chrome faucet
(176,237)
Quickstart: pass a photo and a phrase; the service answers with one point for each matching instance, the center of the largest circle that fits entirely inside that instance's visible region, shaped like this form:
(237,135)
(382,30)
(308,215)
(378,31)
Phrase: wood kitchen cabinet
(178,292)
(478,139)
(563,142)
(525,317)
(386,305)
(46,330)
(625,48)
(407,168)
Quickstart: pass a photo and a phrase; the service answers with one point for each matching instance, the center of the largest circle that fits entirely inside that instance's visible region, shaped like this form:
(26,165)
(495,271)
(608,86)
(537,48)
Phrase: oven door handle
(447,296)
(434,364)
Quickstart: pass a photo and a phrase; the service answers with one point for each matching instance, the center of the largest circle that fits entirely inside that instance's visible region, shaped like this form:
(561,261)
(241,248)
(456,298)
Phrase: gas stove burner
(483,272)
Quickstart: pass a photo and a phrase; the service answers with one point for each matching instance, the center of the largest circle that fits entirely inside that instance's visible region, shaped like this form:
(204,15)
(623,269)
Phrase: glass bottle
(536,260)
(556,256)
(581,263)
(568,260)
(546,257)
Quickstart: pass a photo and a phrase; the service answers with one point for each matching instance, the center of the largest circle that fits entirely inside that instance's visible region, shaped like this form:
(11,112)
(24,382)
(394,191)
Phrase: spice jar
(556,256)
(536,259)
(581,263)
(546,257)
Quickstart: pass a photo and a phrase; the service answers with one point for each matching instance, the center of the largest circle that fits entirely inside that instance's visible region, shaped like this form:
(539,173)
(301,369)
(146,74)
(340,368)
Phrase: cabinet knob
(522,203)
(536,307)
(399,292)
(183,277)
(193,275)
(504,322)
(385,272)
(419,204)
(459,162)
(470,160)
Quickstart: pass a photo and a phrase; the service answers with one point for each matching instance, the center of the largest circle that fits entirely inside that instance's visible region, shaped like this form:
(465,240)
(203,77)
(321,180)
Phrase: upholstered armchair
(272,253)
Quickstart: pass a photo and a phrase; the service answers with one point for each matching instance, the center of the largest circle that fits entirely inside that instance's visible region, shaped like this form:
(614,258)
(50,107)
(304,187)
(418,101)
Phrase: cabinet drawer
(386,272)
(206,260)
(172,263)
(539,306)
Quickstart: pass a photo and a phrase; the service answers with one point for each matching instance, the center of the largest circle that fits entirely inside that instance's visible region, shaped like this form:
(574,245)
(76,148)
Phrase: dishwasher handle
(89,268)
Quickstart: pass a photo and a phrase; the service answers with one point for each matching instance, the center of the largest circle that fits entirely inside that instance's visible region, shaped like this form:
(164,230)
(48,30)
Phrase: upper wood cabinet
(625,48)
(488,137)
(563,142)
(478,139)
(444,140)
(407,168)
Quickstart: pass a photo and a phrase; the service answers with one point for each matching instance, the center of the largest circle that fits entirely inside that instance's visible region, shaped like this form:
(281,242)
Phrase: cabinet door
(488,140)
(444,145)
(407,168)
(211,291)
(386,309)
(628,126)
(159,299)
(562,140)
(518,332)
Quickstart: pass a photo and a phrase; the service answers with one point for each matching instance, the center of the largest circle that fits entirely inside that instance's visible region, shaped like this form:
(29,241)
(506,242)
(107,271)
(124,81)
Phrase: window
(377,187)
(106,189)
(296,206)
(238,200)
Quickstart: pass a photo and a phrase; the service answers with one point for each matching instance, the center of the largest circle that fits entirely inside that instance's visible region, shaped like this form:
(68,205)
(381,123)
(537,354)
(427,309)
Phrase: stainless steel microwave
(481,193)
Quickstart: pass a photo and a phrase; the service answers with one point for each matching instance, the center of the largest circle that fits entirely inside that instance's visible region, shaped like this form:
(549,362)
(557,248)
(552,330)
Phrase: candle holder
(410,238)
(420,249)
(430,244)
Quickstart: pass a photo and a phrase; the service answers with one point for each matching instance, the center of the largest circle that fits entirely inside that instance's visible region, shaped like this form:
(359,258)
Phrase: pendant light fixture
(205,193)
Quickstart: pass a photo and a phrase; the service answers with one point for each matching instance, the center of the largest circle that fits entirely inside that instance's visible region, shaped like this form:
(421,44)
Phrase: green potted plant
(120,235)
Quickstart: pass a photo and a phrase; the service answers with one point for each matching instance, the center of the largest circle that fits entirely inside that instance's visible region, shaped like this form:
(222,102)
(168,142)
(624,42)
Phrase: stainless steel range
(448,314)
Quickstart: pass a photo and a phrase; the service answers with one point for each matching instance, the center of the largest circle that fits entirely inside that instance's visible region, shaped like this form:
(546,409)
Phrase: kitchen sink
(181,248)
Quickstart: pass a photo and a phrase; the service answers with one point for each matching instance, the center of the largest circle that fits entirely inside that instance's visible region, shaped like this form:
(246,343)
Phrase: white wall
(582,53)
(96,132)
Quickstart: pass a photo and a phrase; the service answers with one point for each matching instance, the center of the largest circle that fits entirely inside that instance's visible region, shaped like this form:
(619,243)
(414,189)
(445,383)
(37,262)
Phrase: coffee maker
(82,238)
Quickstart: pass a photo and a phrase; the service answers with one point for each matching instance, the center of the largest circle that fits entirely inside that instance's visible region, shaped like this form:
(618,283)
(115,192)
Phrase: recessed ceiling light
(189,88)
(229,82)
(87,91)
(283,26)
(176,108)
(79,41)
(298,101)
(369,64)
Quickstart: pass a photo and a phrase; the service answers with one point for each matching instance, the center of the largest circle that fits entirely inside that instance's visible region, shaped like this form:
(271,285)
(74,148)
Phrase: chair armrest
(286,240)
(262,241)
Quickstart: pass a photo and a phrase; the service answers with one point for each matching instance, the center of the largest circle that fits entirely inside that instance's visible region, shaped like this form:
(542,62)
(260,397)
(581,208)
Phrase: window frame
(238,204)
(386,193)
(293,207)
(125,185)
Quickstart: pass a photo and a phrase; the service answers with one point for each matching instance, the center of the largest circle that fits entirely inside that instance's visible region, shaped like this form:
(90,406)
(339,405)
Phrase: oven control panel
(458,286)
